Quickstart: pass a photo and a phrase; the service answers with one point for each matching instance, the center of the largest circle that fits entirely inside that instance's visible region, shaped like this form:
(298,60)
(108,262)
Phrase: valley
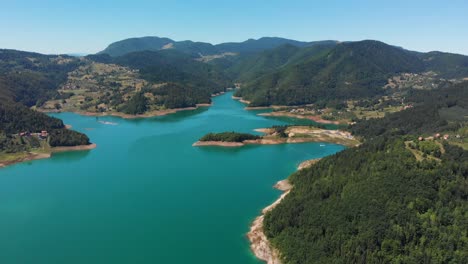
(389,126)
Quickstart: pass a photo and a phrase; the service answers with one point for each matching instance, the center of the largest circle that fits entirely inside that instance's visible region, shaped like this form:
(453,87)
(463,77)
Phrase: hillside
(346,71)
(174,66)
(167,78)
(32,78)
(28,79)
(392,199)
(251,66)
(375,204)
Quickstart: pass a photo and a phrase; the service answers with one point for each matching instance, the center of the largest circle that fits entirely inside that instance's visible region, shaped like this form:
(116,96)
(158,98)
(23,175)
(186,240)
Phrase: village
(95,87)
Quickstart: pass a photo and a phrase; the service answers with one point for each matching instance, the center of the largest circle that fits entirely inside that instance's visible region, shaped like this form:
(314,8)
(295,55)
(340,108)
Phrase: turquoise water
(145,195)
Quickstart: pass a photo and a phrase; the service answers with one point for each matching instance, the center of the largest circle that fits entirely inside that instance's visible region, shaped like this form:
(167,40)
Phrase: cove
(145,195)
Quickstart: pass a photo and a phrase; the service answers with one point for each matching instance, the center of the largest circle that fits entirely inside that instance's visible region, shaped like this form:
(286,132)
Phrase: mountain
(265,43)
(448,65)
(123,47)
(126,46)
(343,71)
(250,66)
(200,48)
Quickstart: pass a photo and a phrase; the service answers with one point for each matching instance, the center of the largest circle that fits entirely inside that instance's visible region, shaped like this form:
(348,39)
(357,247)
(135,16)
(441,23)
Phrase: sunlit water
(145,195)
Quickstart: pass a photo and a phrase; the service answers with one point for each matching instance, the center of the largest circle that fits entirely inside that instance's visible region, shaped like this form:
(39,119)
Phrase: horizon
(82,54)
(56,27)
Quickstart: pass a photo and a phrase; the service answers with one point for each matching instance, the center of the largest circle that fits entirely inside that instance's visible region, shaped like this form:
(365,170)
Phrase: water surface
(145,195)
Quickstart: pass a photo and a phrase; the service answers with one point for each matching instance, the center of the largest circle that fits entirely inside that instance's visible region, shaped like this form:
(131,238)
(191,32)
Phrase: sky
(57,26)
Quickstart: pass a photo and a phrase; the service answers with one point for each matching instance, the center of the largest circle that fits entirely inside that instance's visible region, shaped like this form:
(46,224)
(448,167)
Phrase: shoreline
(315,118)
(218,143)
(307,164)
(259,243)
(317,135)
(30,156)
(73,148)
(150,114)
(129,116)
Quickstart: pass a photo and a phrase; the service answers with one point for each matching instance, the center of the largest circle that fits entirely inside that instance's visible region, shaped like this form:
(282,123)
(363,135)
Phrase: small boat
(108,123)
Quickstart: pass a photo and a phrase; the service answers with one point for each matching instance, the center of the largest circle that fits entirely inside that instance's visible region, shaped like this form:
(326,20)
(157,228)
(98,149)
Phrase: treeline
(229,137)
(174,95)
(138,104)
(16,118)
(66,137)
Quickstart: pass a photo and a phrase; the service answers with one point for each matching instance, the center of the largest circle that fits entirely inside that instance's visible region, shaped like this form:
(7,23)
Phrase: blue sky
(52,26)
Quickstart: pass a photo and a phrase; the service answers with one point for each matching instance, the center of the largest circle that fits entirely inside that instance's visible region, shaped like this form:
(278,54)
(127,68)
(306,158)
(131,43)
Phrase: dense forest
(377,203)
(229,137)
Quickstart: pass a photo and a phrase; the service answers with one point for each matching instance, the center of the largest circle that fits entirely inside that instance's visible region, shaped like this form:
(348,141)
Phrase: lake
(145,195)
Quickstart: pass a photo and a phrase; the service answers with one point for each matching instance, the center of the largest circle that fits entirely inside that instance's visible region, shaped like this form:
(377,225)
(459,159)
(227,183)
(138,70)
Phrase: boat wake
(108,123)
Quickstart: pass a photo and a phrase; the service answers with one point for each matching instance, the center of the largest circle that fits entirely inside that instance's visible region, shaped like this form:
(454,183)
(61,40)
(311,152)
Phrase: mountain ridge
(154,43)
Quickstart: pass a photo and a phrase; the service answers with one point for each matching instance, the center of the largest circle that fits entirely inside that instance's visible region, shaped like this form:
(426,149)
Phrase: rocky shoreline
(259,243)
(129,116)
(315,118)
(297,134)
(218,143)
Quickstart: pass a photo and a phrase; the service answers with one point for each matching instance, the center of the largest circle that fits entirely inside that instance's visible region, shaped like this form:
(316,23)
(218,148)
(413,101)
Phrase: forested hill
(27,79)
(181,80)
(126,46)
(32,78)
(251,66)
(345,71)
(174,66)
(394,199)
(375,204)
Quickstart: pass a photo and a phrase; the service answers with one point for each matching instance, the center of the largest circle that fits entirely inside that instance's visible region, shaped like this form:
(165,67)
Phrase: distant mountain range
(125,46)
(290,72)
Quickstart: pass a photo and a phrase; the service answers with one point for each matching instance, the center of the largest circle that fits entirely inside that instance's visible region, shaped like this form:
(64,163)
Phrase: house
(446,136)
(44,134)
(437,135)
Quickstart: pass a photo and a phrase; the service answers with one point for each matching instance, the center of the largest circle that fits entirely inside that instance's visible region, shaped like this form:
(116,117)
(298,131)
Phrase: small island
(226,139)
(279,135)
